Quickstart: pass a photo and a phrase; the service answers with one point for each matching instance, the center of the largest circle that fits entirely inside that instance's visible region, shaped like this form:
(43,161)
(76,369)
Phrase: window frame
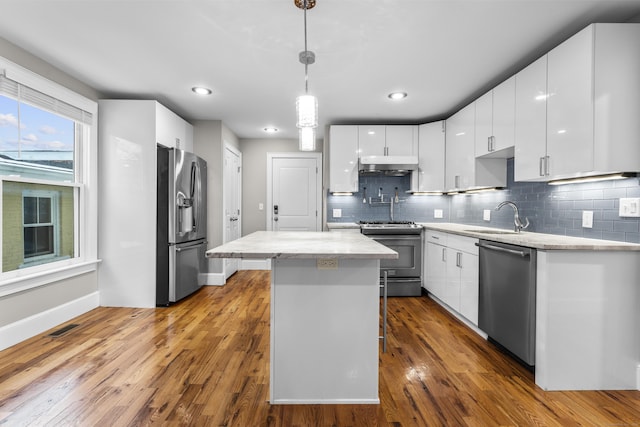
(85,190)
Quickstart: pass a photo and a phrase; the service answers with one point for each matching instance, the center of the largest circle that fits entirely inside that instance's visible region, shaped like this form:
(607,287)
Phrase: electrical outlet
(587,219)
(437,213)
(337,213)
(629,207)
(486,215)
(327,263)
(260,206)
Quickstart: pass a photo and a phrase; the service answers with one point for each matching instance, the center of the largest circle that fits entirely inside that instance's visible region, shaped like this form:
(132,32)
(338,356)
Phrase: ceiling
(443,53)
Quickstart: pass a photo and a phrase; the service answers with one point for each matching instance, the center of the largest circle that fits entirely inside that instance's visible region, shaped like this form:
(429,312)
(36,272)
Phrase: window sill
(26,282)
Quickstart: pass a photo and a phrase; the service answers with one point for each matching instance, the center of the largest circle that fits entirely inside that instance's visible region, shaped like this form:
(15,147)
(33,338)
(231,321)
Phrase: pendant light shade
(306,105)
(307,139)
(307,111)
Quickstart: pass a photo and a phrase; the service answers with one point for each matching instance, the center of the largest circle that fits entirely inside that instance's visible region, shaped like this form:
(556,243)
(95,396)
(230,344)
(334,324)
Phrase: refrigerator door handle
(194,175)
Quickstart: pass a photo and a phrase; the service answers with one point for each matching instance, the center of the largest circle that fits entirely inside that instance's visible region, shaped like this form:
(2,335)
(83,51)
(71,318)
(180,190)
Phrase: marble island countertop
(303,244)
(533,240)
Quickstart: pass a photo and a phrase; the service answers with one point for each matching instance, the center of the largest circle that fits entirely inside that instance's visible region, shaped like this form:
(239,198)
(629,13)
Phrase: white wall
(208,142)
(254,178)
(30,306)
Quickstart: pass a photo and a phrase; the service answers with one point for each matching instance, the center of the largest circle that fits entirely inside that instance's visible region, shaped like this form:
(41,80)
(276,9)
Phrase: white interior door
(232,196)
(294,188)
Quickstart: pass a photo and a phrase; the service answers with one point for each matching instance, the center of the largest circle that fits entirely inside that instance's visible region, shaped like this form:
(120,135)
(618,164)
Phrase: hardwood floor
(205,361)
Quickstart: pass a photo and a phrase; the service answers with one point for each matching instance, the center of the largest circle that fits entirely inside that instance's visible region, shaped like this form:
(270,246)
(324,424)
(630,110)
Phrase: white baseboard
(255,264)
(214,279)
(33,325)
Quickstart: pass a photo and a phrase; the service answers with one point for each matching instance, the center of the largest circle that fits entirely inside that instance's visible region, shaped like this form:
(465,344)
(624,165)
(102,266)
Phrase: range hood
(388,165)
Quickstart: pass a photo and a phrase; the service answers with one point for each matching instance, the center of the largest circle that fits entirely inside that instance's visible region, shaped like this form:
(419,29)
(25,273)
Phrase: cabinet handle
(541,167)
(489,144)
(546,165)
(444,254)
(459,259)
(456,183)
(435,237)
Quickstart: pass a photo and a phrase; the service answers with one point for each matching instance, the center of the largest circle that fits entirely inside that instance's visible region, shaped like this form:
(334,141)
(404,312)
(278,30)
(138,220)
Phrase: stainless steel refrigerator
(181,223)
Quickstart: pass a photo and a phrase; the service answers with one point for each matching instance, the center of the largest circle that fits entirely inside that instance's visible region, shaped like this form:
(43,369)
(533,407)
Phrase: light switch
(587,219)
(260,206)
(629,207)
(486,215)
(437,213)
(337,213)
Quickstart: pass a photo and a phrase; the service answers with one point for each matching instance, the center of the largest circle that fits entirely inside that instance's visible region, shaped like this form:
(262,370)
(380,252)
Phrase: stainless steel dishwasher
(507,311)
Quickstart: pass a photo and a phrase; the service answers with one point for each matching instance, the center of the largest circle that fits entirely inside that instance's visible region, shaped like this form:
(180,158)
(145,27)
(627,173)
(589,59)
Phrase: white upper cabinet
(402,140)
(531,121)
(392,140)
(570,106)
(172,130)
(343,159)
(495,120)
(460,149)
(588,89)
(463,170)
(431,158)
(371,140)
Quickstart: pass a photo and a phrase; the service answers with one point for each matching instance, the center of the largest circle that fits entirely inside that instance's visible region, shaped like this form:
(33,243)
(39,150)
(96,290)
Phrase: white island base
(324,332)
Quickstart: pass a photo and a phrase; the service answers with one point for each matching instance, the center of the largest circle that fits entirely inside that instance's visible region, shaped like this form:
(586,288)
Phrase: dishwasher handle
(501,249)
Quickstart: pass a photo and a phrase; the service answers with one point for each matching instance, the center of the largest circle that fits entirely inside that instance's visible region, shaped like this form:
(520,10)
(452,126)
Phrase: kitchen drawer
(436,237)
(463,244)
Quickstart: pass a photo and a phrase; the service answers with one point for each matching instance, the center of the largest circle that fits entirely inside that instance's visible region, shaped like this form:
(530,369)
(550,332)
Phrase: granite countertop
(339,225)
(532,240)
(303,244)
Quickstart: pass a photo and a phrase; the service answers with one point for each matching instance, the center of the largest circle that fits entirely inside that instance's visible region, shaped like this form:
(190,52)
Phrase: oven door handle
(415,237)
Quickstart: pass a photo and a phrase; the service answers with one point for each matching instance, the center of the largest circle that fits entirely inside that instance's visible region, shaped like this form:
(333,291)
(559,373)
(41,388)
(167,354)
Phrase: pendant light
(306,105)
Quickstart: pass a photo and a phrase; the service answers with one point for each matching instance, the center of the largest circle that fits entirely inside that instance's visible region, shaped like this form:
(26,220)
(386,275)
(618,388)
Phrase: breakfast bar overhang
(325,300)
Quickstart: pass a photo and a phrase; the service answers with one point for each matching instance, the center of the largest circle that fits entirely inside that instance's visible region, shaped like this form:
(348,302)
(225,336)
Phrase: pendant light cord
(306,52)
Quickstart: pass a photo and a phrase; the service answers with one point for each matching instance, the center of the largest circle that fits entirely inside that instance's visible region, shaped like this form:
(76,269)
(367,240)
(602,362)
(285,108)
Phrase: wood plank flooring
(205,362)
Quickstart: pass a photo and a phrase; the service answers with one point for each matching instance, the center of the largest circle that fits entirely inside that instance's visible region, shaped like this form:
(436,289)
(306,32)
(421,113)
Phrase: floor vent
(63,331)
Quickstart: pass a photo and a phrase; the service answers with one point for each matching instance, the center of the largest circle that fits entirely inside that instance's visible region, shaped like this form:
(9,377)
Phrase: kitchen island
(325,303)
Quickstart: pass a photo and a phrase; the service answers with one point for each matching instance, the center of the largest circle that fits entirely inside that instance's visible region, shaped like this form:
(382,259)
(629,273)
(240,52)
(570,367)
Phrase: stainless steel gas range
(405,237)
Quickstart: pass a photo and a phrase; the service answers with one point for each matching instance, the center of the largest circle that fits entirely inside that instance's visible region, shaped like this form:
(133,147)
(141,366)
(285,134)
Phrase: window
(47,157)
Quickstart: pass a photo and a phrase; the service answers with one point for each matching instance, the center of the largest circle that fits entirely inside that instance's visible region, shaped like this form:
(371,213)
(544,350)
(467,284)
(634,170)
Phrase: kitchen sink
(491,231)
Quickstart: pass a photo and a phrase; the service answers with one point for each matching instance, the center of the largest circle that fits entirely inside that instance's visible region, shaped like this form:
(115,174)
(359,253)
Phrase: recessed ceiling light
(201,90)
(270,130)
(397,95)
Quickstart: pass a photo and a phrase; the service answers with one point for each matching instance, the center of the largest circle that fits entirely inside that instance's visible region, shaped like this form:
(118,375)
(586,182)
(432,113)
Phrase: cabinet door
(451,293)
(484,124)
(531,121)
(431,146)
(343,159)
(504,111)
(460,149)
(436,269)
(371,140)
(570,105)
(401,140)
(171,129)
(469,288)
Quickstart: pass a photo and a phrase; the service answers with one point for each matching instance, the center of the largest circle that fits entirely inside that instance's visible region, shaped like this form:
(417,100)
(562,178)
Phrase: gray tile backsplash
(550,209)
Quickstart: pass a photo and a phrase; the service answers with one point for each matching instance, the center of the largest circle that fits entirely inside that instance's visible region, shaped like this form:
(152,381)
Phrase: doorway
(232,189)
(294,191)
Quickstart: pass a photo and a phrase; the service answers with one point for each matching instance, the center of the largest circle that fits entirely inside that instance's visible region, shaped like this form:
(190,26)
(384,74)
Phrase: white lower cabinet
(451,272)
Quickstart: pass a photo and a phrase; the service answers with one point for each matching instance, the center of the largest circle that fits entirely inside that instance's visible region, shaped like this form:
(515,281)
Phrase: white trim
(214,279)
(325,402)
(23,329)
(35,81)
(34,280)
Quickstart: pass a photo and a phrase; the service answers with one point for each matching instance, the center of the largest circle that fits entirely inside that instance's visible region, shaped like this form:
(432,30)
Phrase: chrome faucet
(518,225)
